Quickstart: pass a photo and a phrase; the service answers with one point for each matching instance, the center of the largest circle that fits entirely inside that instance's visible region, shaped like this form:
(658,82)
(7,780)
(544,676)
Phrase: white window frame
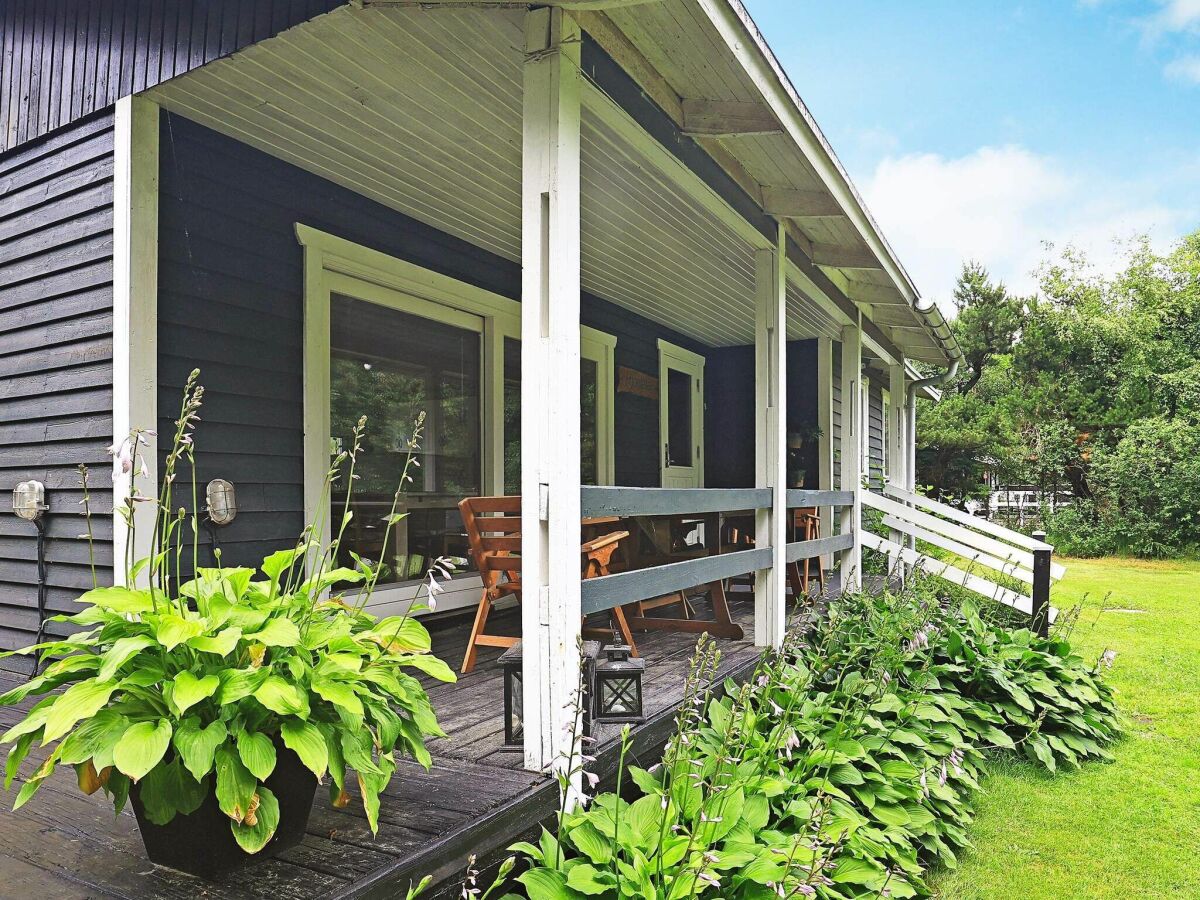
(672,356)
(336,265)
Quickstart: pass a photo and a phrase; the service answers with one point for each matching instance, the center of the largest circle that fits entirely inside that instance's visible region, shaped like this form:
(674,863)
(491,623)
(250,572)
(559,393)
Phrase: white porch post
(770,384)
(852,439)
(897,449)
(135,308)
(825,442)
(550,476)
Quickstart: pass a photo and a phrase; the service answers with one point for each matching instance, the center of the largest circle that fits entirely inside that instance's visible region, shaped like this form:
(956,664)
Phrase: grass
(1126,829)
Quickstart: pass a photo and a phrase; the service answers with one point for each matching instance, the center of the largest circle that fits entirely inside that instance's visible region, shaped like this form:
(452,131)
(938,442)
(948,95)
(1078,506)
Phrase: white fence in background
(982,548)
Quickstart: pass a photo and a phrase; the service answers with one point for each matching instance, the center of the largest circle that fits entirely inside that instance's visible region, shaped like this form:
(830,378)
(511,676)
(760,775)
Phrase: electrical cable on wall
(29,503)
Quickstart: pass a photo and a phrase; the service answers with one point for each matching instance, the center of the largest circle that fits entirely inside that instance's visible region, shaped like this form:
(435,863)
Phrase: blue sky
(983,129)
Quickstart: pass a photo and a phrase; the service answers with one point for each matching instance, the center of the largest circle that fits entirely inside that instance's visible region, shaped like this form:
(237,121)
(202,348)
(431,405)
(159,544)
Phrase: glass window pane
(391,366)
(589,399)
(679,417)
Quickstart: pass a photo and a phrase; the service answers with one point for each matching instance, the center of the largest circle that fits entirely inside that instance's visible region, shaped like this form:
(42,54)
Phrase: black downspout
(40,524)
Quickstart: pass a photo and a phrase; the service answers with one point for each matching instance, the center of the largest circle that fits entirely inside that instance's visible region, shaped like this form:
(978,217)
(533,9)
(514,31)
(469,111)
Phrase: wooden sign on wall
(631,381)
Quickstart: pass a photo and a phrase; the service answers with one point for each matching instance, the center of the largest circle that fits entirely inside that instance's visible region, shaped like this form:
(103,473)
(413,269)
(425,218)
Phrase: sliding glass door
(394,366)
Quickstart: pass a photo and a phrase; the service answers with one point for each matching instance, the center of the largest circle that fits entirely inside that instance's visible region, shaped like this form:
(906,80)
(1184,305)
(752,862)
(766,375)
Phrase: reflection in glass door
(391,365)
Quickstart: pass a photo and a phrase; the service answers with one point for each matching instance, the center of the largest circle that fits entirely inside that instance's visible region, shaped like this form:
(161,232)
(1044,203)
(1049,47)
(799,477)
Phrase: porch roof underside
(420,109)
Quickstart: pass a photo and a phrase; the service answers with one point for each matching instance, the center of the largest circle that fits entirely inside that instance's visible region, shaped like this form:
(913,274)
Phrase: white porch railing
(978,543)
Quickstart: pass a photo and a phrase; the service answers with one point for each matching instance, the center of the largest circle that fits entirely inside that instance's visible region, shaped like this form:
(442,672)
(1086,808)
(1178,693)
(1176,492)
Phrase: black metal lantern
(514,698)
(514,692)
(618,685)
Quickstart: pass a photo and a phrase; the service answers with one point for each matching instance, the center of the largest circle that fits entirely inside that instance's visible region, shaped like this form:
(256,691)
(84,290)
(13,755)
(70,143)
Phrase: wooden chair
(806,524)
(493,527)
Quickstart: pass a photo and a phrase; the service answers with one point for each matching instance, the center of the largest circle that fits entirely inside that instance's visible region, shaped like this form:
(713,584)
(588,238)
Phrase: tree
(971,432)
(1095,382)
(987,324)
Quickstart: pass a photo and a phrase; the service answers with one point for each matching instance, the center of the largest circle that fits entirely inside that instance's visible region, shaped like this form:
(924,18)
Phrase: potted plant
(215,699)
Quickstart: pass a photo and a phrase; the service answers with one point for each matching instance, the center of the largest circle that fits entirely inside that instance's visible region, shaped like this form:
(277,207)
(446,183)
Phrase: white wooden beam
(896,316)
(825,441)
(550,353)
(876,294)
(851,453)
(897,426)
(835,256)
(727,118)
(135,311)
(743,41)
(770,383)
(793,204)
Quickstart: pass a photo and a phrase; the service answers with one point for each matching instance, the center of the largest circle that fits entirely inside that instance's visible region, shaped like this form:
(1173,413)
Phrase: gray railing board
(797,498)
(599,594)
(630,501)
(819,547)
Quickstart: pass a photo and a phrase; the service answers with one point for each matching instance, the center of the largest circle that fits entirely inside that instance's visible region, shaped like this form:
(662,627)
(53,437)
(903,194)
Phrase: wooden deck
(476,800)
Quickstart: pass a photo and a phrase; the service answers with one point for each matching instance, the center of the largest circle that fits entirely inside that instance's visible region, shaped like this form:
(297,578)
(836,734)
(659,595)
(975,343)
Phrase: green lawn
(1126,829)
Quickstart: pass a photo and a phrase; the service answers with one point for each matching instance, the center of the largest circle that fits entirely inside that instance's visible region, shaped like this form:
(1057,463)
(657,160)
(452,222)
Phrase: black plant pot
(202,843)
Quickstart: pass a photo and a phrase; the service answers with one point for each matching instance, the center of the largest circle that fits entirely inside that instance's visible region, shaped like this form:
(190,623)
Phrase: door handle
(666,456)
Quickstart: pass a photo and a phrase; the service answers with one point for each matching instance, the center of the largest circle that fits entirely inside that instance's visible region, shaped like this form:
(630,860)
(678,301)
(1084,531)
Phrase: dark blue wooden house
(602,244)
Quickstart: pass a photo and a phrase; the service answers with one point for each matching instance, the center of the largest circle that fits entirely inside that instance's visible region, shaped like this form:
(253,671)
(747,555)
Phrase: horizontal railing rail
(632,501)
(975,543)
(834,543)
(965,518)
(599,594)
(952,573)
(1012,555)
(802,498)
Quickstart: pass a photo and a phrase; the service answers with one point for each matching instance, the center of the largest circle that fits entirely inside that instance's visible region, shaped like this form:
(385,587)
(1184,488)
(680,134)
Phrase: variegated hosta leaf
(197,744)
(257,753)
(307,742)
(142,747)
(259,826)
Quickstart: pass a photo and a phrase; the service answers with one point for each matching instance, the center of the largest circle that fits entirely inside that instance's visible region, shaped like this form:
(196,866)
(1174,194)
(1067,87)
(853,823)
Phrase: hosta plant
(193,681)
(844,768)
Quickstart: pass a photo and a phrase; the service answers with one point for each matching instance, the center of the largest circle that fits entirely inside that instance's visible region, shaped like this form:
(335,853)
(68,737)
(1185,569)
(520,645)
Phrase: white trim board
(672,356)
(135,308)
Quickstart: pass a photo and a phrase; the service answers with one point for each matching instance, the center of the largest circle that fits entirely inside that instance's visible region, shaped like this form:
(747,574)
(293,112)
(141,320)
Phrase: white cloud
(1185,69)
(1176,15)
(998,205)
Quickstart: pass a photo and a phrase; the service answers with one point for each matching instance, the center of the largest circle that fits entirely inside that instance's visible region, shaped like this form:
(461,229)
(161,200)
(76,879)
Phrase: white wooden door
(680,416)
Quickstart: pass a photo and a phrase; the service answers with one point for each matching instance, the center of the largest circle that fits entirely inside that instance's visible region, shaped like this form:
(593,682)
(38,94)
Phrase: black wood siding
(56,299)
(231,303)
(730,412)
(61,60)
(875,414)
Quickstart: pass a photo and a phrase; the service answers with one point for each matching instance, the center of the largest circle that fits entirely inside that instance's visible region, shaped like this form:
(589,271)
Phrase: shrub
(843,769)
(1079,530)
(1148,487)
